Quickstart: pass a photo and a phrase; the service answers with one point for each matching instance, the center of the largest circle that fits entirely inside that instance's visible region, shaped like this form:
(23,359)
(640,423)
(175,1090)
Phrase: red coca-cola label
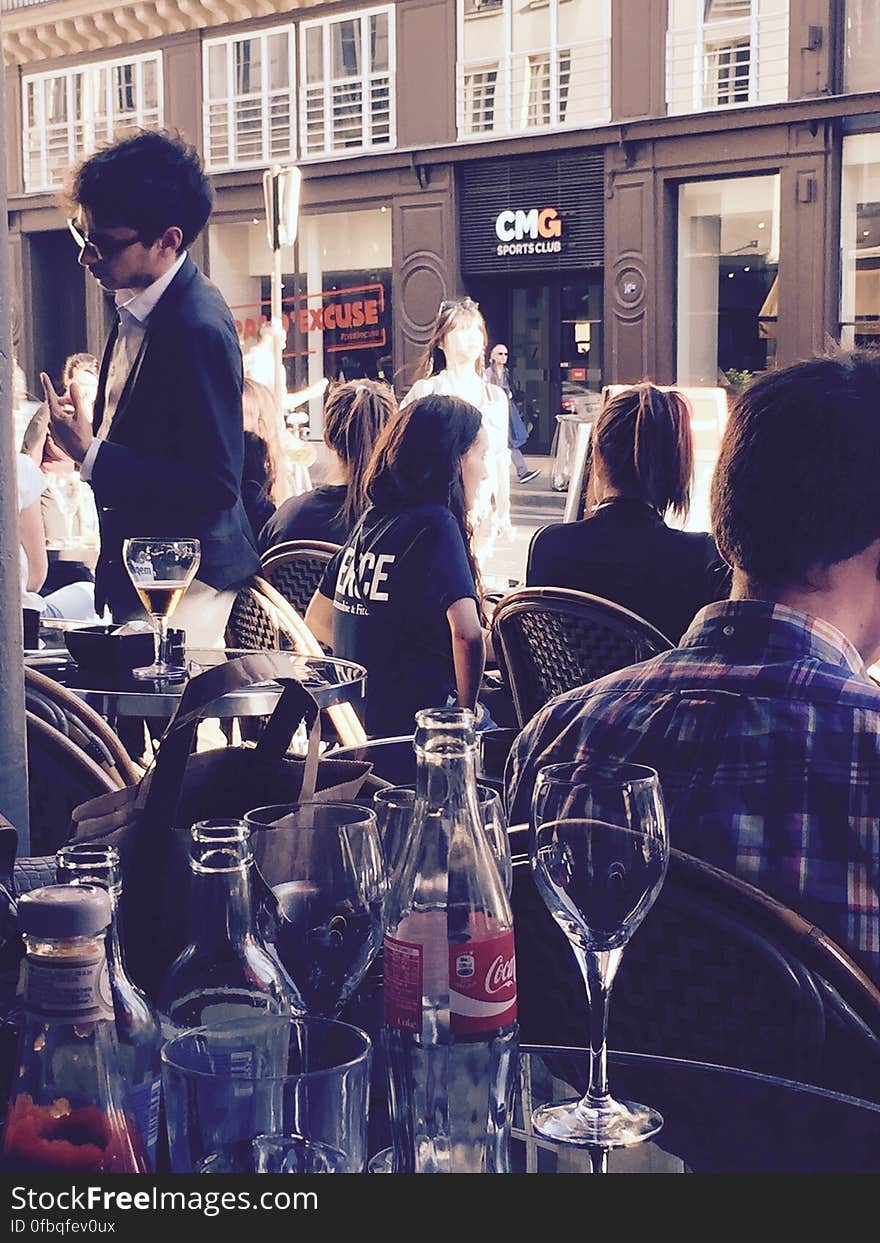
(402,984)
(482,985)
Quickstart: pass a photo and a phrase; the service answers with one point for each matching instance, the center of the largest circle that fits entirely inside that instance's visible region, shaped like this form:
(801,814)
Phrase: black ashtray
(103,649)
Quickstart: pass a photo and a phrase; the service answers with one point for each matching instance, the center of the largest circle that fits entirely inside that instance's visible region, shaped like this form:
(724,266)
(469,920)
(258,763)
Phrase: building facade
(682,189)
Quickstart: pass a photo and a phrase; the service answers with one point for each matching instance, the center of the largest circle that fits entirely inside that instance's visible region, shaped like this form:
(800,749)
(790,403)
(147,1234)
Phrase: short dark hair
(149,182)
(795,487)
(643,436)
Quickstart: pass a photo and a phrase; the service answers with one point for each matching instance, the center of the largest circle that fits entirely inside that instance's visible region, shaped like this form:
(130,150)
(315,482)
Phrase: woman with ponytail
(641,470)
(403,597)
(354,415)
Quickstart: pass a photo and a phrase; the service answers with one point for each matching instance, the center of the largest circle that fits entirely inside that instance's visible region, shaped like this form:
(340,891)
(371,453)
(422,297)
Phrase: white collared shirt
(135,309)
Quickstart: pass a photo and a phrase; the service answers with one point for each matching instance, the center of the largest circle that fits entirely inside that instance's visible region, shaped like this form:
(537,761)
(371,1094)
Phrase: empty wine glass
(66,488)
(325,866)
(160,571)
(599,850)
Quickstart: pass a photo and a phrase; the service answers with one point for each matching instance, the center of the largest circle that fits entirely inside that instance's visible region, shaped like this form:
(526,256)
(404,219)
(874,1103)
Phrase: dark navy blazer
(172,462)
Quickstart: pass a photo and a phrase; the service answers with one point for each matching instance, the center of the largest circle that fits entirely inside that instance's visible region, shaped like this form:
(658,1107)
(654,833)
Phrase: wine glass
(325,866)
(66,489)
(599,850)
(160,571)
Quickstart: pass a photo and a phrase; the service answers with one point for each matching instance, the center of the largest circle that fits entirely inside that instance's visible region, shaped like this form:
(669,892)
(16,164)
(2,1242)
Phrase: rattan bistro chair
(64,709)
(60,777)
(719,972)
(255,624)
(295,569)
(262,620)
(551,639)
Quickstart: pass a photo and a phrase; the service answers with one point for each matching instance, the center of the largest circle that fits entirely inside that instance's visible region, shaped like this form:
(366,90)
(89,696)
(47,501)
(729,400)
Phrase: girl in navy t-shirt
(402,597)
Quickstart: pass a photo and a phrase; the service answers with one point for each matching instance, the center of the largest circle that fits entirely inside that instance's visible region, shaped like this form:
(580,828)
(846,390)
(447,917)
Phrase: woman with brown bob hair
(403,596)
(641,469)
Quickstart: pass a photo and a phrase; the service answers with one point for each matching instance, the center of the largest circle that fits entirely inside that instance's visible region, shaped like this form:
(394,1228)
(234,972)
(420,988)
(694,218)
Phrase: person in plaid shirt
(763,723)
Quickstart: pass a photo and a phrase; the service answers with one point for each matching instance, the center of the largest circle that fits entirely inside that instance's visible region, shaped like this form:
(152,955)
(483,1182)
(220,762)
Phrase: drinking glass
(65,487)
(270,1095)
(599,850)
(325,866)
(160,571)
(394,813)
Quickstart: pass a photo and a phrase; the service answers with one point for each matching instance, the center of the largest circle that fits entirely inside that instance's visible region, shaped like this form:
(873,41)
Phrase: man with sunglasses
(164,449)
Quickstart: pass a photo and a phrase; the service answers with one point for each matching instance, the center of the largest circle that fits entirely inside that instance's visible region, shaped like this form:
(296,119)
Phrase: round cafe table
(716,1120)
(118,694)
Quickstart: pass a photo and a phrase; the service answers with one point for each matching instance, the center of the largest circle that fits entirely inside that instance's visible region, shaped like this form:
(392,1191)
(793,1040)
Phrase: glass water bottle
(137,1023)
(226,972)
(69,1110)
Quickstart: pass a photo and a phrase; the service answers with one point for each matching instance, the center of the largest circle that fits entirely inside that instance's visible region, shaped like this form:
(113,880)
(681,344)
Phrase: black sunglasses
(108,246)
(451,303)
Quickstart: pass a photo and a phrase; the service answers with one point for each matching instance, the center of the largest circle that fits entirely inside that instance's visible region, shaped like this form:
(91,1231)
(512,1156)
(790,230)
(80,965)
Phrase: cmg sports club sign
(532,232)
(532,213)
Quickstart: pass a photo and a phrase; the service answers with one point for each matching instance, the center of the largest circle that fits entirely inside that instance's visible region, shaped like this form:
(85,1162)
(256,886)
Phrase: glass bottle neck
(441,779)
(222,905)
(446,755)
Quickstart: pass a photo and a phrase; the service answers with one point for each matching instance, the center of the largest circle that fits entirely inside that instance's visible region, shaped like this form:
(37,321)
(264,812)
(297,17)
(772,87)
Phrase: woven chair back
(550,639)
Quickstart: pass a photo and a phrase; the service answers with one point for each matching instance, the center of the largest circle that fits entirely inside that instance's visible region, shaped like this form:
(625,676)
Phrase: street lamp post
(281,191)
(13,748)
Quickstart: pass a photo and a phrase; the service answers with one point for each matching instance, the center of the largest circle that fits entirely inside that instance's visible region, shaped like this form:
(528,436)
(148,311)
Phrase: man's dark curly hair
(795,489)
(148,182)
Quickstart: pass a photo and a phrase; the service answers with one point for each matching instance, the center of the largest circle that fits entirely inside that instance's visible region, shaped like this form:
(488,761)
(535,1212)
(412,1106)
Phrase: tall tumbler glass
(291,1098)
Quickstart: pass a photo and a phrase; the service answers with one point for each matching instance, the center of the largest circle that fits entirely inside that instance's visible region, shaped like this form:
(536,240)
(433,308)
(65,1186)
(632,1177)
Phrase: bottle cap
(64,911)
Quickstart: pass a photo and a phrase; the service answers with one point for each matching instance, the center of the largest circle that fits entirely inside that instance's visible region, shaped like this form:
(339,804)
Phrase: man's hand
(70,419)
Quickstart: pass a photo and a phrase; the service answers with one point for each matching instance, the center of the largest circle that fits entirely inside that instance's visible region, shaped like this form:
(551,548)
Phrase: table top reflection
(117,694)
(716,1120)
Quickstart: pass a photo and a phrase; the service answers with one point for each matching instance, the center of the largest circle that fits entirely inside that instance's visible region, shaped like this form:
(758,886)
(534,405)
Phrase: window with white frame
(724,53)
(527,65)
(861,45)
(347,72)
(69,112)
(249,99)
(479,100)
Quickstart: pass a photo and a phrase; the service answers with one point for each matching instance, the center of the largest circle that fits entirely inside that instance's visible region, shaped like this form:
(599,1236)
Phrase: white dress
(491,513)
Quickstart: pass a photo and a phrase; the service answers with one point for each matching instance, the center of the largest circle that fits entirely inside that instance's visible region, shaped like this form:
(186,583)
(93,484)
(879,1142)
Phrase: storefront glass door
(530,352)
(553,330)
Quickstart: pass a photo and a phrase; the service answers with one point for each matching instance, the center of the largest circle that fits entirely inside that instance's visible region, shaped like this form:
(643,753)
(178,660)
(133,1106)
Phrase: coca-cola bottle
(69,1110)
(137,1024)
(450,1028)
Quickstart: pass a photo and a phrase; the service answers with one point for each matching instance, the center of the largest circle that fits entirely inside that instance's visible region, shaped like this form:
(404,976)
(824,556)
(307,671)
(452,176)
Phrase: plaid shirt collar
(767,631)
